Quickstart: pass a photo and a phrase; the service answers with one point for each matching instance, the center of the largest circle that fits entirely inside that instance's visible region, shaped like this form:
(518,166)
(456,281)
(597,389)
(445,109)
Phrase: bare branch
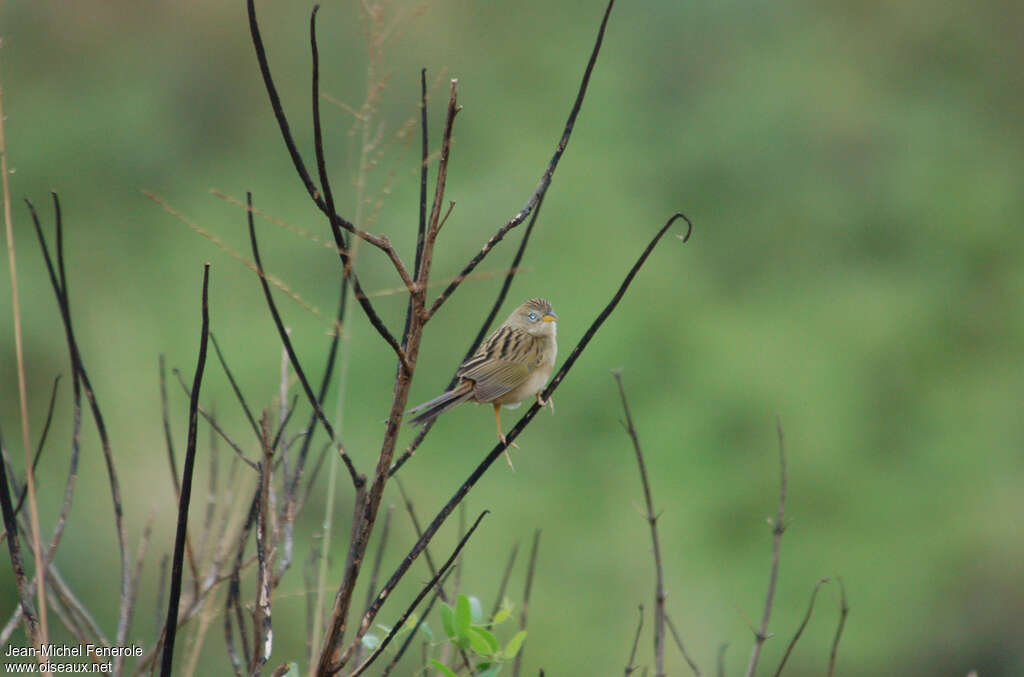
(336,221)
(408,640)
(630,667)
(423,593)
(504,580)
(682,649)
(545,180)
(434,223)
(234,385)
(526,597)
(263,638)
(777,528)
(213,423)
(803,624)
(23,494)
(186,487)
(14,550)
(721,658)
(381,243)
(60,290)
(844,609)
(652,521)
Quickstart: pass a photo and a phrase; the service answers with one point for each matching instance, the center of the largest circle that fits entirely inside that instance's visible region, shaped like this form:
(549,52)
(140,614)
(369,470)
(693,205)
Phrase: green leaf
(479,643)
(448,620)
(463,616)
(476,610)
(490,672)
(503,615)
(371,642)
(425,629)
(514,644)
(442,668)
(491,639)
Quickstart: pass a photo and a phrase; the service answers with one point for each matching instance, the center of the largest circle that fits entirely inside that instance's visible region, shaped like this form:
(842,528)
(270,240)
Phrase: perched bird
(512,365)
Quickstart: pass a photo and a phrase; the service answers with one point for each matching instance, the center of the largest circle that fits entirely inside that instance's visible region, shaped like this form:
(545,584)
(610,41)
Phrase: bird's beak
(551,317)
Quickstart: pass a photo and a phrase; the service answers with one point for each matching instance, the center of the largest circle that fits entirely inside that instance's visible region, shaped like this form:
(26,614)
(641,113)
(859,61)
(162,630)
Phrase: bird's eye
(533,317)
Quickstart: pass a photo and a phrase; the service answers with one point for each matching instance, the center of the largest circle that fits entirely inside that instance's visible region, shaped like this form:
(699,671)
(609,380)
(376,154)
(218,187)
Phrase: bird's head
(536,317)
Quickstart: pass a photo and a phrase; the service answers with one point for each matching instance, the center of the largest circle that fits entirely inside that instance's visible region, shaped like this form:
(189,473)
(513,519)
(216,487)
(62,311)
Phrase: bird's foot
(507,445)
(550,402)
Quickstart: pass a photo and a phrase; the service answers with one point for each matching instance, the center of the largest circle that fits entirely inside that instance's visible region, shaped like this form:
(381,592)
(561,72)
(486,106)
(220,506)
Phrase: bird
(512,365)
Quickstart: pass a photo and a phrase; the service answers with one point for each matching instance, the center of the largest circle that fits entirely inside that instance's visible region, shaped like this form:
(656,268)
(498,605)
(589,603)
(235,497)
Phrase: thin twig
(761,635)
(60,289)
(263,638)
(410,509)
(504,580)
(165,415)
(186,486)
(213,423)
(38,633)
(292,490)
(721,658)
(803,624)
(140,559)
(336,221)
(423,593)
(426,613)
(524,610)
(234,385)
(630,667)
(652,522)
(421,230)
(545,180)
(14,550)
(844,610)
(682,649)
(281,331)
(371,589)
(434,223)
(40,446)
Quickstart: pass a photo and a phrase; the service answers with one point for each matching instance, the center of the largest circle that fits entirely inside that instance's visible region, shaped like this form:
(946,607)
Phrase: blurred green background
(853,171)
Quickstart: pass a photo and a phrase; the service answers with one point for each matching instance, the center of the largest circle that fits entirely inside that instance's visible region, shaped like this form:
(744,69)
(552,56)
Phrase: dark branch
(14,551)
(78,366)
(803,624)
(282,333)
(419,597)
(234,386)
(545,180)
(336,221)
(42,443)
(186,486)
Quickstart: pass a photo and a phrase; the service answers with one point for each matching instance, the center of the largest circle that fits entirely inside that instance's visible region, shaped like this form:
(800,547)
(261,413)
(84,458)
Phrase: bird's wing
(494,378)
(502,363)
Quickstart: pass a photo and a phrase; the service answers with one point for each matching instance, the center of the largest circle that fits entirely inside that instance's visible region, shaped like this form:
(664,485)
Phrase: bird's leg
(501,435)
(550,402)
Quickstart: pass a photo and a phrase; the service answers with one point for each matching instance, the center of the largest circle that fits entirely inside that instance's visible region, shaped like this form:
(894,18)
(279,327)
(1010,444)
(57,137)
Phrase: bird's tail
(440,404)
